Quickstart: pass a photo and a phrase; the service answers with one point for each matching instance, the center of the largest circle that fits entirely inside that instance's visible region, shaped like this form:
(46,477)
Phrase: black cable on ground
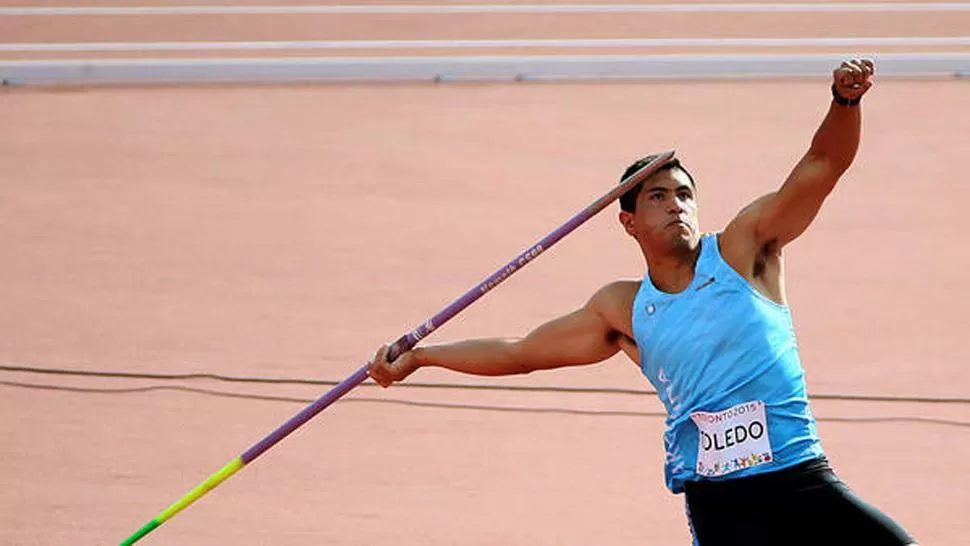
(439,405)
(417,385)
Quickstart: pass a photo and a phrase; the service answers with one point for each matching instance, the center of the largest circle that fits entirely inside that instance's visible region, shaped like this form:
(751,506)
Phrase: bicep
(581,337)
(783,216)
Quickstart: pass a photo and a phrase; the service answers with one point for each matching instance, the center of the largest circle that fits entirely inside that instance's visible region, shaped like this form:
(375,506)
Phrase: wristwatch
(840,100)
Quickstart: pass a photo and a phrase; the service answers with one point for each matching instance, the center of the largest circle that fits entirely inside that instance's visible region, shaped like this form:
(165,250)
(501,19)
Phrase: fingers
(853,78)
(378,367)
(387,373)
(855,74)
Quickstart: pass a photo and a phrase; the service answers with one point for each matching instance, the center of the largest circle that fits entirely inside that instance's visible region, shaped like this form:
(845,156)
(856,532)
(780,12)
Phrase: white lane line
(518,43)
(494,8)
(440,69)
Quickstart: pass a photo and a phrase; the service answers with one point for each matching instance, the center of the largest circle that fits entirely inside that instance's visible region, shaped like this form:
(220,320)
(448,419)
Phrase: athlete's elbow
(517,357)
(830,163)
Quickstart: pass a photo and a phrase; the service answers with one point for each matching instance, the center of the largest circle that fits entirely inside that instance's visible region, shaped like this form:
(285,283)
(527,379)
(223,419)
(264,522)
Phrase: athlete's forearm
(486,356)
(837,139)
(581,337)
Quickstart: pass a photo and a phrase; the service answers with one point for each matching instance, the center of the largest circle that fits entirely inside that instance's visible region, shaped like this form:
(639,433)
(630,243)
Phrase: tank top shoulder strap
(710,258)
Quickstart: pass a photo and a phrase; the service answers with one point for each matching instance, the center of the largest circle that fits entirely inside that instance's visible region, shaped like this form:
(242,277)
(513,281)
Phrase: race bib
(733,439)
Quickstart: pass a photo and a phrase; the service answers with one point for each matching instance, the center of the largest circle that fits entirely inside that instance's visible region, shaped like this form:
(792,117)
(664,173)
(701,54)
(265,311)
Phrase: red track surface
(287,231)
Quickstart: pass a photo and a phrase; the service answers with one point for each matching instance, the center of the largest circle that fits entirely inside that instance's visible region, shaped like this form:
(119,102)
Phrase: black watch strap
(840,100)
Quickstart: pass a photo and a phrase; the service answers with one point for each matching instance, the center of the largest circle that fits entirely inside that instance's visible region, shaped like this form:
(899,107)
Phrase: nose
(675,206)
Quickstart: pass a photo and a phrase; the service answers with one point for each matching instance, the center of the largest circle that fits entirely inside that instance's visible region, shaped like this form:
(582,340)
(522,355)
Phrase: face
(666,215)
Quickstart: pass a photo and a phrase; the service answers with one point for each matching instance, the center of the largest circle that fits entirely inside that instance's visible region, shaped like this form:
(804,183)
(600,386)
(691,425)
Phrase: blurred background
(211,211)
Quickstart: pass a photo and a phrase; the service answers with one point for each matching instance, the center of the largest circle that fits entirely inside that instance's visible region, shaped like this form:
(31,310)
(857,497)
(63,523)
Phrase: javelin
(403,344)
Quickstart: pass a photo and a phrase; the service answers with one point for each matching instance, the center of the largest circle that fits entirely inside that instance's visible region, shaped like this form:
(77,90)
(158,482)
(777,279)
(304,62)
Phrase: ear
(626,220)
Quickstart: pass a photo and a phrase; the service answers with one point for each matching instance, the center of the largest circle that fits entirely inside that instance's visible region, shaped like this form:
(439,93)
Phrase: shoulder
(747,217)
(759,261)
(738,241)
(617,291)
(614,302)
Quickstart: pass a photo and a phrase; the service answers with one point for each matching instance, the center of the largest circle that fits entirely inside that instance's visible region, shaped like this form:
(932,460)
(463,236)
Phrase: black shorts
(806,504)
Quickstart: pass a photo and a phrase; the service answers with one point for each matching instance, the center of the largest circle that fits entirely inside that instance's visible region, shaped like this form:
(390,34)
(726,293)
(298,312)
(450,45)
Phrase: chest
(719,327)
(670,328)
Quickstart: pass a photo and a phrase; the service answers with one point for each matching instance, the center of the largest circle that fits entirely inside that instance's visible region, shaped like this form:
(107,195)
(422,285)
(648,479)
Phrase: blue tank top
(724,360)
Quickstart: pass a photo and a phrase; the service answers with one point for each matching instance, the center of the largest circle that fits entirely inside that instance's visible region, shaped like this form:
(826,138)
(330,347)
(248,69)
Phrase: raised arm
(782,216)
(590,334)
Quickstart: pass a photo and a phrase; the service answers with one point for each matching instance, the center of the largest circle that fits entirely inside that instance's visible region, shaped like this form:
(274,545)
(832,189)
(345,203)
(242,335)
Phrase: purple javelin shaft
(409,340)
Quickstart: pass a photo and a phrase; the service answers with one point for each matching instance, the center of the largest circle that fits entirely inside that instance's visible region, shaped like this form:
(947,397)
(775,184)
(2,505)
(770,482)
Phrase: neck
(672,270)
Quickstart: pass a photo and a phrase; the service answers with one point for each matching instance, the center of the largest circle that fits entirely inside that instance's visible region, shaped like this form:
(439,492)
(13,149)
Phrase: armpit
(629,347)
(769,251)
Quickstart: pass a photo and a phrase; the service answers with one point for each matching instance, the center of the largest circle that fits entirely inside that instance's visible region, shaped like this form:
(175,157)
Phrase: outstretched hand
(387,373)
(853,77)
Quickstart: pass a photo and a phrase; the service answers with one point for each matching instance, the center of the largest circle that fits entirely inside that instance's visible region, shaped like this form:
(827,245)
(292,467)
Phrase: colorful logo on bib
(733,465)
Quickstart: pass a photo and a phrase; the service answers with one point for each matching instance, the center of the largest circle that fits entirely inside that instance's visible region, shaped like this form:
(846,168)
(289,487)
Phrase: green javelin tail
(209,484)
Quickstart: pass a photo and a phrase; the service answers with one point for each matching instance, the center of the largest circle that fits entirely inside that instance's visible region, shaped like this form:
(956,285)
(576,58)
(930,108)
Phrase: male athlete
(710,328)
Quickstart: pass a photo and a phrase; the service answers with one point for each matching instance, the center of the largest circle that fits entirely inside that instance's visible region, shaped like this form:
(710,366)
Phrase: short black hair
(628,201)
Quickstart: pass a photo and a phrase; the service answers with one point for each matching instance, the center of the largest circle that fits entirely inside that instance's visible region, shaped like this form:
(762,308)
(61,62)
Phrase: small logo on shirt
(707,283)
(651,309)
